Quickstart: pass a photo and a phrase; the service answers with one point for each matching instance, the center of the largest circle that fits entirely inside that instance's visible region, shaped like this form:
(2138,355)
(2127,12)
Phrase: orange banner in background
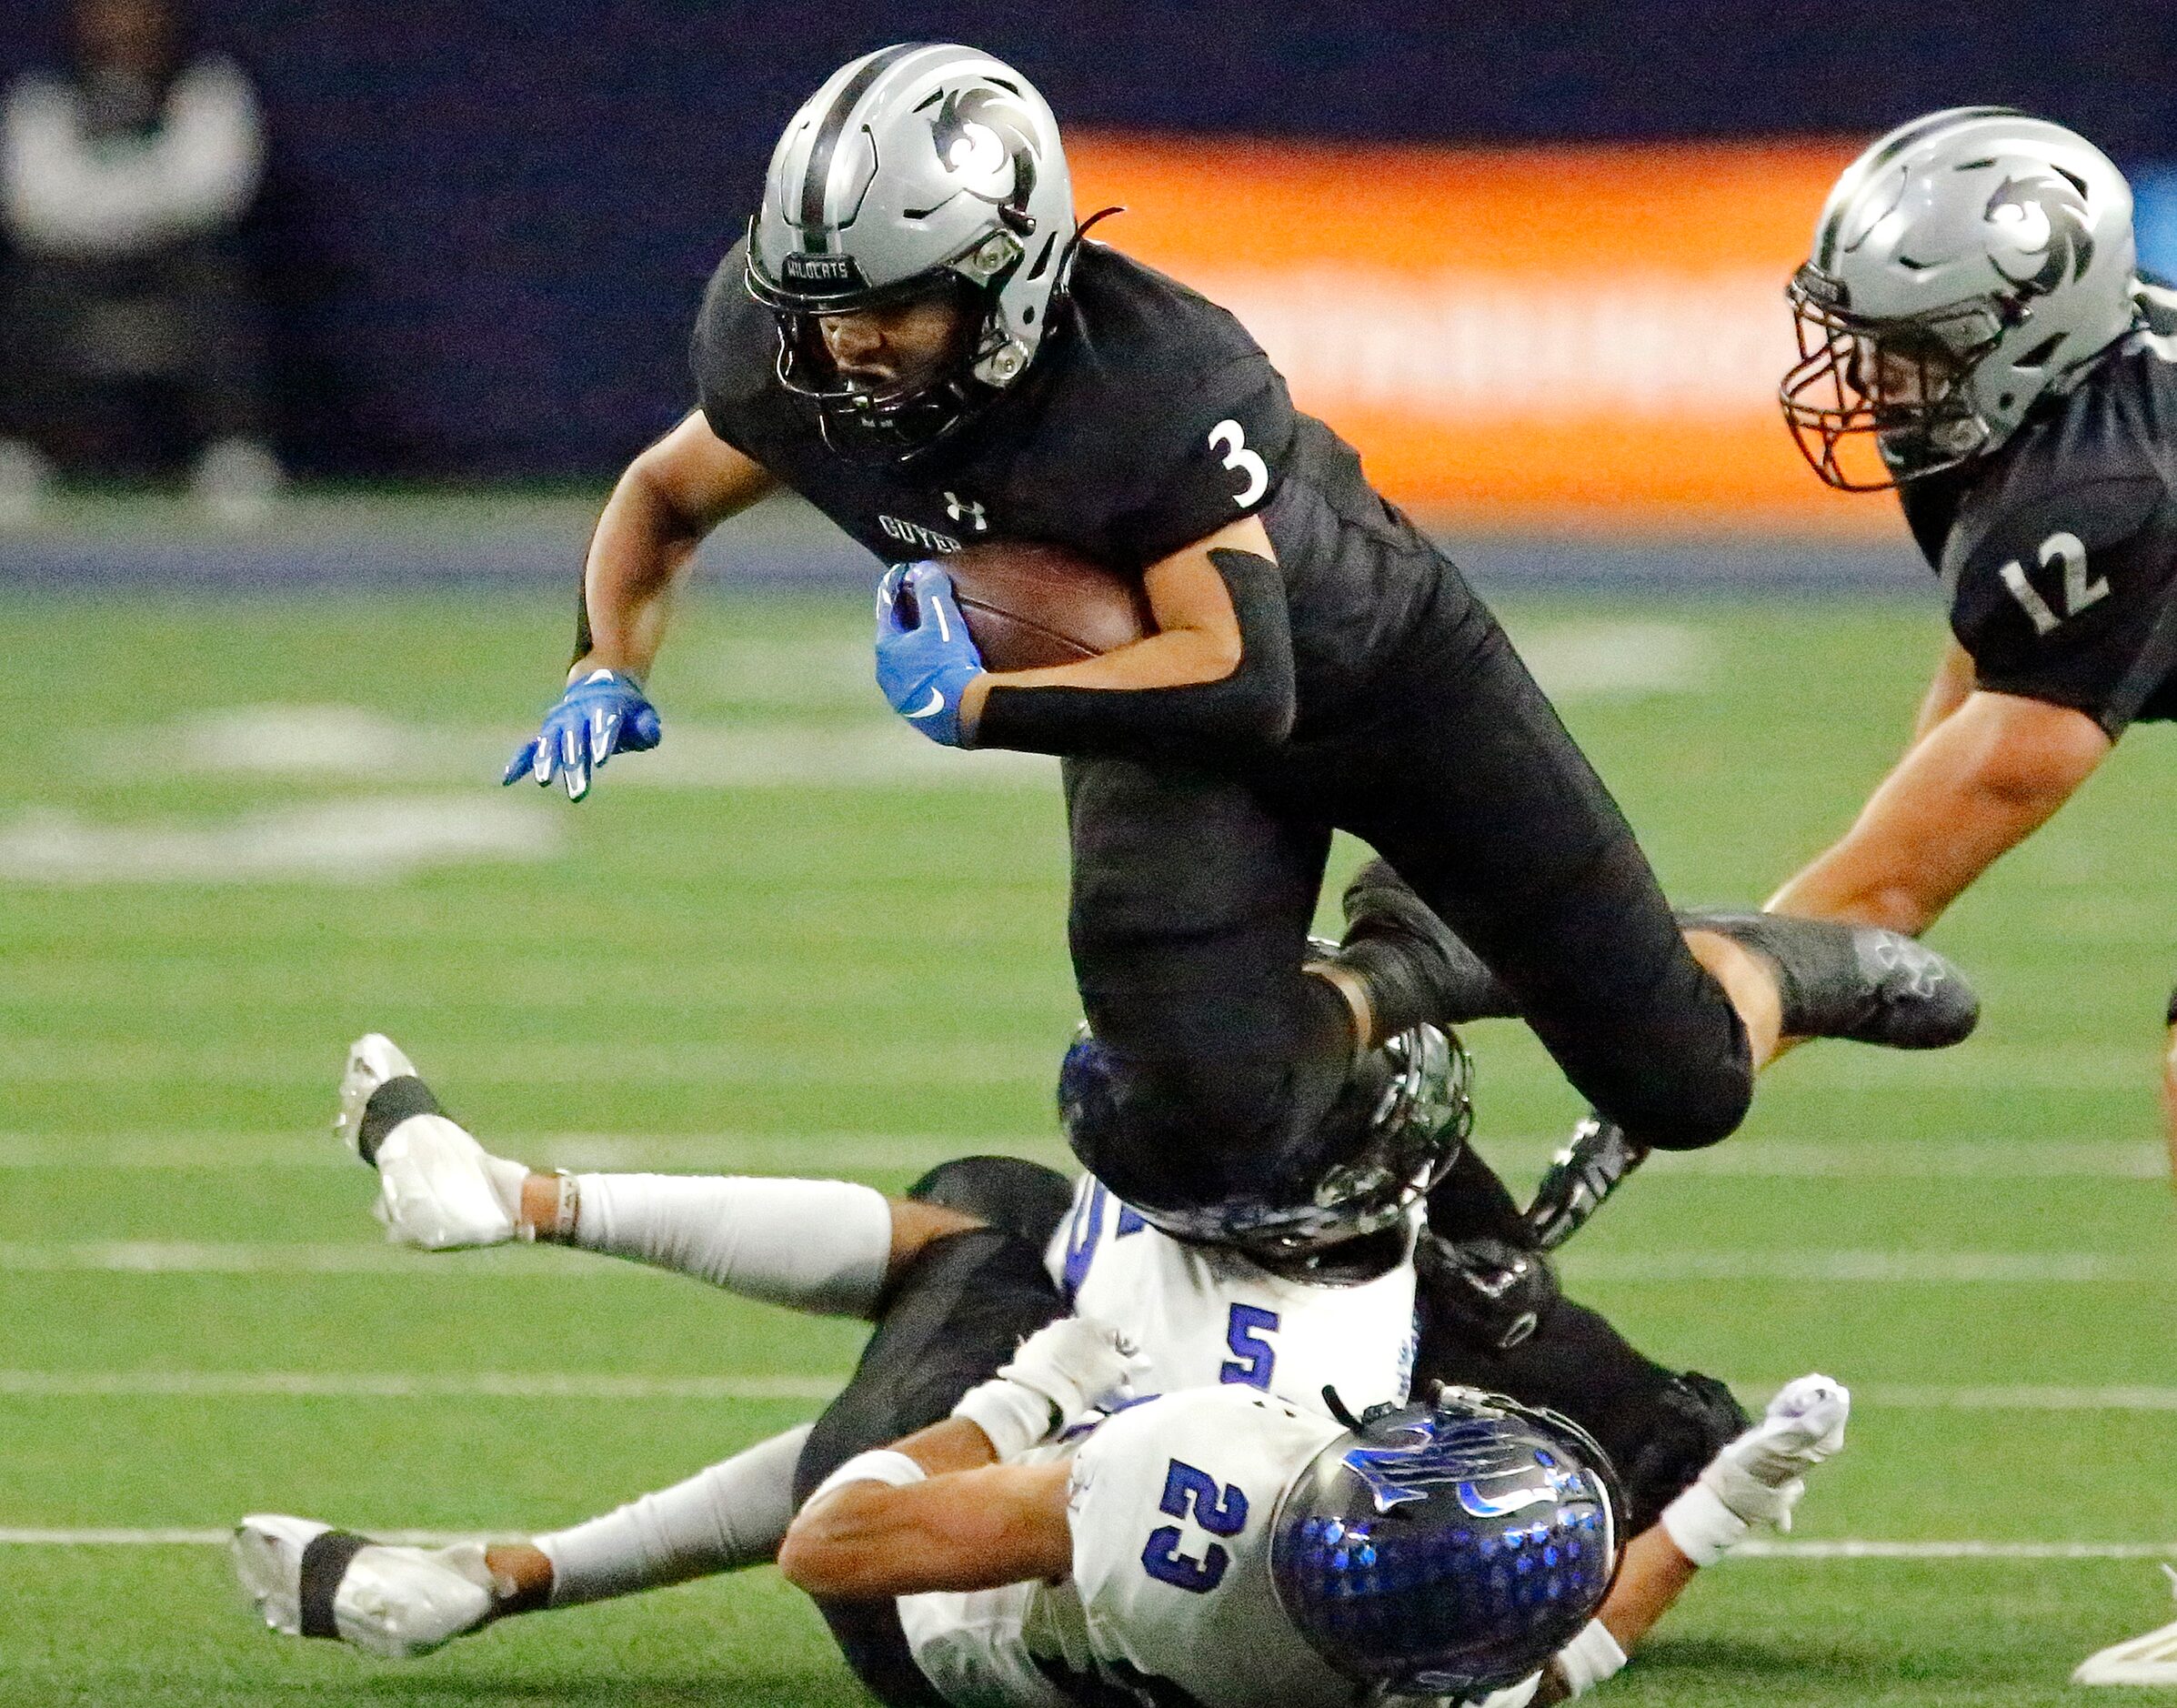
(1512,338)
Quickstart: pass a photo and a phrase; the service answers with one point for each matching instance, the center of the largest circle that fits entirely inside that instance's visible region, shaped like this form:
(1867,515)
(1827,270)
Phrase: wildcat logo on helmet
(2066,238)
(985,137)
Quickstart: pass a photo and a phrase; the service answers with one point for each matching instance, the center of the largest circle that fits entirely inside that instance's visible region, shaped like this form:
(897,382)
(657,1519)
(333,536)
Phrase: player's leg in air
(1310,650)
(952,1272)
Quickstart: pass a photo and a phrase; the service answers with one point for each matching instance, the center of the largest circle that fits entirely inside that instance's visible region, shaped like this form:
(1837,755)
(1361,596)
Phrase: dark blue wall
(491,220)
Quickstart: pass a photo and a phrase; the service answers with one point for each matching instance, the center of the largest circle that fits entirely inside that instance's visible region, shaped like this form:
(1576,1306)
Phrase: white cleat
(2148,1660)
(1761,1475)
(395,1601)
(372,1059)
(439,1189)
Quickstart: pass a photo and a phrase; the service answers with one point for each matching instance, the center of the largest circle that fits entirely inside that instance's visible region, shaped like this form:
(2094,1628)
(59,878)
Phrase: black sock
(392,1103)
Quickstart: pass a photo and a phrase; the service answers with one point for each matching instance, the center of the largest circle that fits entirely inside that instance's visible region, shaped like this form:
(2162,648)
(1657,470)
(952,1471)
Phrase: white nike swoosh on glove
(936,704)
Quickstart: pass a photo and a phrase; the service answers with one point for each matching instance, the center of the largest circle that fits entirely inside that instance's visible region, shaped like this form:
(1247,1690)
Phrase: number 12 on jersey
(2080,589)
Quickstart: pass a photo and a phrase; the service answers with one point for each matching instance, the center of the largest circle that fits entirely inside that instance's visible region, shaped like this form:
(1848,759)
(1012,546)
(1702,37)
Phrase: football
(1028,606)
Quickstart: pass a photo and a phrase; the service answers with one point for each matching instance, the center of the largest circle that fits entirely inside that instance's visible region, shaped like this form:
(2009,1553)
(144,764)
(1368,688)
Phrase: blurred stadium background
(1532,261)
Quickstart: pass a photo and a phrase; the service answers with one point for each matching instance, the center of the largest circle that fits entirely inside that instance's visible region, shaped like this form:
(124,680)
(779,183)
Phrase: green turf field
(797,939)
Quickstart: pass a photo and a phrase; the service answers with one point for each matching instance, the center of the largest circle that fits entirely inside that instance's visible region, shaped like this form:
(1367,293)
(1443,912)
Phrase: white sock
(733,1515)
(820,1246)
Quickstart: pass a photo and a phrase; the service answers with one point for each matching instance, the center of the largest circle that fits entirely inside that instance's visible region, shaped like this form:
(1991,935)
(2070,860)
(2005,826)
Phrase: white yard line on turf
(911,1060)
(213,1384)
(171,1257)
(1991,1159)
(1782,1548)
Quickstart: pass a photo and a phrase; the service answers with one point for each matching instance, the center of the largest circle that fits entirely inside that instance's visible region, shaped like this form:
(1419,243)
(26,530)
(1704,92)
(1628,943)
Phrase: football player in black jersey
(1973,318)
(1974,334)
(915,337)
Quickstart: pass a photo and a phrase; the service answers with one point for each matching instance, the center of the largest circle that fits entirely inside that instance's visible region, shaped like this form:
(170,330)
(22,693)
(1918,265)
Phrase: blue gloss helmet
(1448,1548)
(1339,1212)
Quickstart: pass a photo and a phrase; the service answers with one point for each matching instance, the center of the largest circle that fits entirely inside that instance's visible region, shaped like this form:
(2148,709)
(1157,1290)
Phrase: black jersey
(1149,420)
(2060,550)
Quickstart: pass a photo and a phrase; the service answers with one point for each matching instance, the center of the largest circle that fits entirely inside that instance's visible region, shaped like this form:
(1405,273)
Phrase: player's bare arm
(670,497)
(1198,636)
(1976,786)
(1953,680)
(970,1527)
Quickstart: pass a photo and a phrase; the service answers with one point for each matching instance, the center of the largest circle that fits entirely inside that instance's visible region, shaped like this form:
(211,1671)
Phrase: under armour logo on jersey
(966,510)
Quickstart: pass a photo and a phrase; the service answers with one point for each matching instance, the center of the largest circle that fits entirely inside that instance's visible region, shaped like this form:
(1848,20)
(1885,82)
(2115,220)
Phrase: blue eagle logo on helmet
(1468,1459)
(2066,247)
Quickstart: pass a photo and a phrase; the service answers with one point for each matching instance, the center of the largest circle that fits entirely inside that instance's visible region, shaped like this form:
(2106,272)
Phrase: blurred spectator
(133,323)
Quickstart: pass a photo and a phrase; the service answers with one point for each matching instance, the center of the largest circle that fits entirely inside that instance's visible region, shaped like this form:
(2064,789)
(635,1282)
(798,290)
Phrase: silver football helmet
(922,169)
(1964,266)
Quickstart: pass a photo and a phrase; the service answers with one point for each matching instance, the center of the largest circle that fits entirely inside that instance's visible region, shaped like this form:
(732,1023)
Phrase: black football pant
(956,1315)
(1193,891)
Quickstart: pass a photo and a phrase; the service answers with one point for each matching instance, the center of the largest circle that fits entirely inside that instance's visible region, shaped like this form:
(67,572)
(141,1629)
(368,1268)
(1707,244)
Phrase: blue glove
(603,714)
(923,667)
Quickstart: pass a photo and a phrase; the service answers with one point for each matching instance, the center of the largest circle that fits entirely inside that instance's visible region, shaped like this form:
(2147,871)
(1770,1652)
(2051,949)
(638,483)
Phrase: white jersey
(1205,1316)
(1170,1598)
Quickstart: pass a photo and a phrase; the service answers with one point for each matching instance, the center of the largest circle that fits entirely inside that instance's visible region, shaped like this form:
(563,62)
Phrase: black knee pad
(1692,1417)
(1021,1197)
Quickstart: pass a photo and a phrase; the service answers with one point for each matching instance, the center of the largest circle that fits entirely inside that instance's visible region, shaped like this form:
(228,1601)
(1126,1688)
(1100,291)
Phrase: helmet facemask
(1362,1222)
(1873,403)
(895,419)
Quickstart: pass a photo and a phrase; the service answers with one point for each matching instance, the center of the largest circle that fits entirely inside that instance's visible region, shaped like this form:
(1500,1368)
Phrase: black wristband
(1250,708)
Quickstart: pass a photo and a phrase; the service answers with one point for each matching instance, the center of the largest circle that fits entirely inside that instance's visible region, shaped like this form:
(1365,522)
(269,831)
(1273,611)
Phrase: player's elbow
(817,1556)
(1255,706)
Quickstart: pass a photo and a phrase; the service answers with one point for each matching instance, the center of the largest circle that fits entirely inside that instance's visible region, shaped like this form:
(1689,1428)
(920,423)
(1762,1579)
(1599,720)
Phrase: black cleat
(1863,982)
(1415,966)
(1592,1165)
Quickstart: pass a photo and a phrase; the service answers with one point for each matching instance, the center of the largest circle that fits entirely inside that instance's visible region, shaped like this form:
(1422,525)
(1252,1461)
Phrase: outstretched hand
(602,713)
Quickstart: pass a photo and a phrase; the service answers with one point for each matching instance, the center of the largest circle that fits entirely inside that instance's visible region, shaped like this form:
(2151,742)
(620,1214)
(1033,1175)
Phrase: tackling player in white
(1215,1317)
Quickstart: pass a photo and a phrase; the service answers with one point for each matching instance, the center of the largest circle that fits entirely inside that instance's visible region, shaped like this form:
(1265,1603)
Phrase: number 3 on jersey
(2080,589)
(1222,1511)
(1227,436)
